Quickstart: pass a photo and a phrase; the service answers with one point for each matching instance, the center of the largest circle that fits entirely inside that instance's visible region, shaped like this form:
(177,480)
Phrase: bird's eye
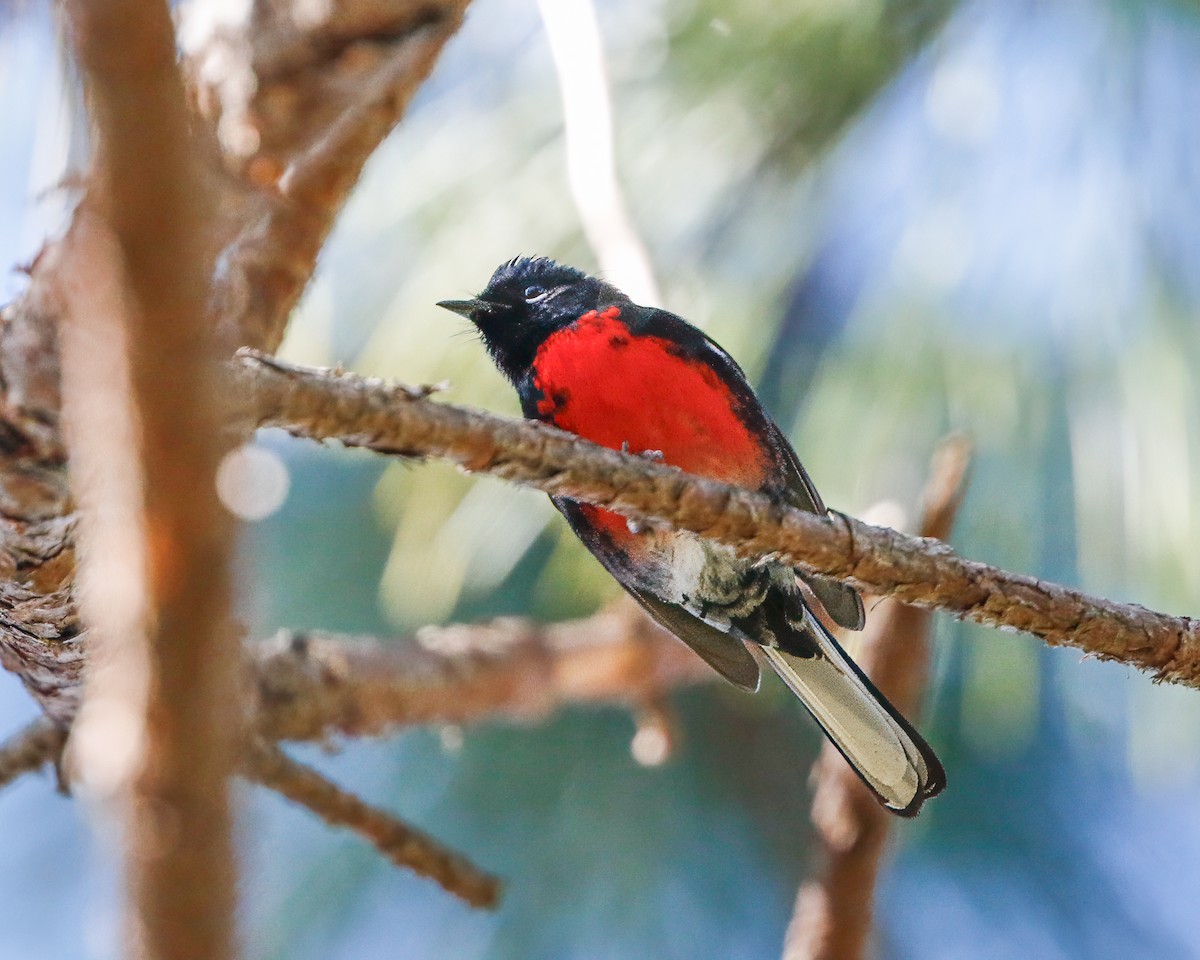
(534,291)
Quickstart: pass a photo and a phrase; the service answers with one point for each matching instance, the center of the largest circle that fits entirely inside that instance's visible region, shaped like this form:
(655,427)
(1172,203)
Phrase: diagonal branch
(363,412)
(573,32)
(299,100)
(402,844)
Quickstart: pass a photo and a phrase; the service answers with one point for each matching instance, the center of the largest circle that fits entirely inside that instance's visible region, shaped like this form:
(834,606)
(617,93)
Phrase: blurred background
(903,218)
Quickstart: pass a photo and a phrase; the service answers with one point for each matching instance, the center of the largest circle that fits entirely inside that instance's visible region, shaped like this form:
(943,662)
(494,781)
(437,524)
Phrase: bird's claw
(655,456)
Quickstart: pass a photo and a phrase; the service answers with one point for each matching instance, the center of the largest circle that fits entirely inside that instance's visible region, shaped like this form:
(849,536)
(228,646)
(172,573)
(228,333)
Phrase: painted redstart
(586,358)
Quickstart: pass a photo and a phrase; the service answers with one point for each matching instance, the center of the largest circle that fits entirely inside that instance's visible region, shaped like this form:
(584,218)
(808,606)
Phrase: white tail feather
(875,743)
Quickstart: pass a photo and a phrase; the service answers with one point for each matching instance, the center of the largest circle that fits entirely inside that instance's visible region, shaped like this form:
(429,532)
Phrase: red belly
(602,383)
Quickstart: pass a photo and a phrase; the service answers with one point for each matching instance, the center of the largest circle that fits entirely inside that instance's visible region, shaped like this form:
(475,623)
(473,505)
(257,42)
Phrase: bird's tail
(884,749)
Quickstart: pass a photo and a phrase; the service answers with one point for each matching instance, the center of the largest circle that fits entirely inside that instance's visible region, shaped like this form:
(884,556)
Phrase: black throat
(529,299)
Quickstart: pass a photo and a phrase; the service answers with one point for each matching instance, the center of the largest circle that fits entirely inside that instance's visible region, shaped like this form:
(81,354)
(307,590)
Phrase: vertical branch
(832,918)
(575,44)
(156,730)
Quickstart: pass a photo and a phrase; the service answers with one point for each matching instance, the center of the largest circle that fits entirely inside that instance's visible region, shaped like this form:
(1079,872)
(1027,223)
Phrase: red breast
(599,380)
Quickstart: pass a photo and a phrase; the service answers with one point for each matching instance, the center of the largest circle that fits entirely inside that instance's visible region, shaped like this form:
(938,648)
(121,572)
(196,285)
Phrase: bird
(587,359)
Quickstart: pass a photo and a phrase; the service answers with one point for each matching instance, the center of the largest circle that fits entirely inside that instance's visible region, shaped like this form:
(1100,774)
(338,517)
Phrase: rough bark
(312,685)
(39,625)
(297,102)
(319,687)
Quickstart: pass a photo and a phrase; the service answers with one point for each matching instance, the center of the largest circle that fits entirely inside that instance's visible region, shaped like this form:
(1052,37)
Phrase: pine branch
(315,686)
(293,105)
(298,103)
(295,108)
(362,412)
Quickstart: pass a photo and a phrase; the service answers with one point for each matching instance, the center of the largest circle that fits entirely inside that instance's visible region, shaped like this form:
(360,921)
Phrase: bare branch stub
(30,749)
(362,412)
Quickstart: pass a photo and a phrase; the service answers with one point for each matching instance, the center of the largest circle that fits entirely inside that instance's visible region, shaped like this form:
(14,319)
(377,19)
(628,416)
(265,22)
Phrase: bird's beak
(467,308)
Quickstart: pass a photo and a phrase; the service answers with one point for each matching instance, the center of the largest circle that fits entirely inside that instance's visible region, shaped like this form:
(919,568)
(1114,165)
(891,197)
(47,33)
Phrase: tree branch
(311,685)
(295,105)
(298,102)
(141,397)
(402,844)
(363,412)
(314,685)
(39,626)
(832,917)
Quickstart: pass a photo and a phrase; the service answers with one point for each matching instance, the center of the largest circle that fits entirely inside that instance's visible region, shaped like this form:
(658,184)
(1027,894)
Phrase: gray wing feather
(725,654)
(840,600)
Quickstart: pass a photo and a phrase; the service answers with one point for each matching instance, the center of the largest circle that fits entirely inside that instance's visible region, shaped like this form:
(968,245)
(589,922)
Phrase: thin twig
(404,845)
(324,404)
(30,749)
(832,917)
